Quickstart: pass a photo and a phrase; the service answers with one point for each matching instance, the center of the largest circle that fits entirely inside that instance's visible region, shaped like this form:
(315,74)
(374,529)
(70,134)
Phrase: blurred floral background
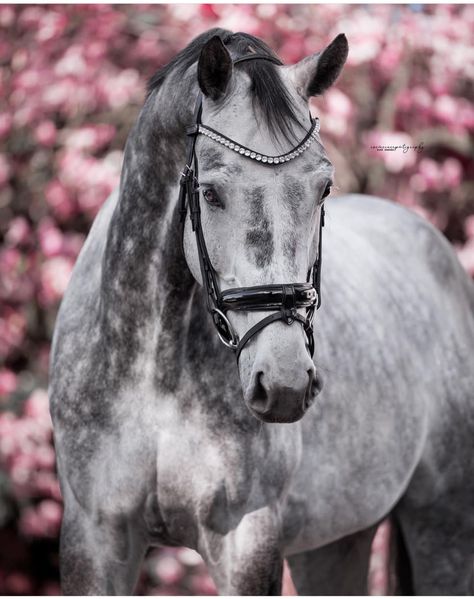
(72,80)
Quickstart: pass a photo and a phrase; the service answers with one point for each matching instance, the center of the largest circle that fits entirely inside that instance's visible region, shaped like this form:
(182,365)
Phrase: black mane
(269,94)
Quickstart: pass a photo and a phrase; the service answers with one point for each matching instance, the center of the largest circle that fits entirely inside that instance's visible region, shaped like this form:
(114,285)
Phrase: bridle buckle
(224,328)
(289,315)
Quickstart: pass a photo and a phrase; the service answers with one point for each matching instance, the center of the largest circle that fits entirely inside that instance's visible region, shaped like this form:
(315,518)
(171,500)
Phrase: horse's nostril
(314,387)
(318,383)
(259,401)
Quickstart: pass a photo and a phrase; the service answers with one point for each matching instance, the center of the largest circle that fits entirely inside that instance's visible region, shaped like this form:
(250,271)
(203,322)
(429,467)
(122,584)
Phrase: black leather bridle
(284,299)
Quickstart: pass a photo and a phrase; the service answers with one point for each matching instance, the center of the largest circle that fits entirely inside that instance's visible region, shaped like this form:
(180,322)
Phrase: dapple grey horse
(161,437)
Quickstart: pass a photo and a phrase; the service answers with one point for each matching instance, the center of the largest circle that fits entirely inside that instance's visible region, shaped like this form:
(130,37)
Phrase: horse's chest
(211,483)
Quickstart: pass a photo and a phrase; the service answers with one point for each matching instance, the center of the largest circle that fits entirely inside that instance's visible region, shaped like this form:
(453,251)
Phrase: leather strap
(266,297)
(261,324)
(248,57)
(319,260)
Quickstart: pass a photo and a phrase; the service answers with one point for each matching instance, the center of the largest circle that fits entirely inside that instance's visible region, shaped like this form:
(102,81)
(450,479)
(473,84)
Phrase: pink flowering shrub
(398,124)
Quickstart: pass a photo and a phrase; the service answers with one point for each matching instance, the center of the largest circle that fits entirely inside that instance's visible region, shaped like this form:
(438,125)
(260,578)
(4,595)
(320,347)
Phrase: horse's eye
(327,191)
(212,197)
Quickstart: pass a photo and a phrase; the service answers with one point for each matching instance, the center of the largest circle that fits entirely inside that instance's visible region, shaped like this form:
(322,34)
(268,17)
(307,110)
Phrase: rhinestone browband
(232,145)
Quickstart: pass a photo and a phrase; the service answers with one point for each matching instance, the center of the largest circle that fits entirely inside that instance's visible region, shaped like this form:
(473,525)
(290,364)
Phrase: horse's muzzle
(271,401)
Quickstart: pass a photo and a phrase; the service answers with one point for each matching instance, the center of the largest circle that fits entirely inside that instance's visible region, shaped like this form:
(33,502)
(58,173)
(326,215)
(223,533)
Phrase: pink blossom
(60,199)
(96,50)
(5,170)
(147,47)
(8,382)
(466,256)
(31,524)
(7,426)
(37,406)
(451,173)
(28,80)
(92,199)
(293,49)
(6,122)
(16,283)
(91,137)
(51,239)
(30,17)
(207,11)
(22,467)
(5,50)
(422,99)
(46,484)
(7,16)
(189,557)
(72,63)
(59,95)
(42,356)
(54,276)
(379,582)
(19,59)
(72,244)
(120,89)
(19,232)
(45,457)
(45,133)
(431,173)
(99,177)
(52,24)
(51,512)
(51,588)
(169,570)
(288,589)
(469,226)
(18,583)
(466,115)
(389,59)
(363,50)
(445,109)
(339,112)
(203,585)
(382,537)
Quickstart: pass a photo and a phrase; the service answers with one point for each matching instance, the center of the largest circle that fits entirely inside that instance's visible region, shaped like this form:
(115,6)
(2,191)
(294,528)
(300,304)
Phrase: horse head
(254,185)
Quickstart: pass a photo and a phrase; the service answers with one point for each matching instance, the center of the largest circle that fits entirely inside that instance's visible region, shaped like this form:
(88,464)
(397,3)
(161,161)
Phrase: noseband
(283,300)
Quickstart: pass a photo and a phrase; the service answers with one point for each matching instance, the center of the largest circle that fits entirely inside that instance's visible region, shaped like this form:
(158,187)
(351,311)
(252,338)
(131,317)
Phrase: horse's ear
(214,68)
(315,74)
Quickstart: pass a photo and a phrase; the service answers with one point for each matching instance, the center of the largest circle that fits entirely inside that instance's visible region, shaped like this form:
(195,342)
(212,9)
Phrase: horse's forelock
(269,93)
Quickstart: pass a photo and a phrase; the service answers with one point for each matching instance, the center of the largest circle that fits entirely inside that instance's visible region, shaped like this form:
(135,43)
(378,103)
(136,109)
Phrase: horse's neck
(146,285)
(151,306)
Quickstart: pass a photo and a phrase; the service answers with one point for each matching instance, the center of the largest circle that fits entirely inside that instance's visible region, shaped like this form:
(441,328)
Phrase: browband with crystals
(232,145)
